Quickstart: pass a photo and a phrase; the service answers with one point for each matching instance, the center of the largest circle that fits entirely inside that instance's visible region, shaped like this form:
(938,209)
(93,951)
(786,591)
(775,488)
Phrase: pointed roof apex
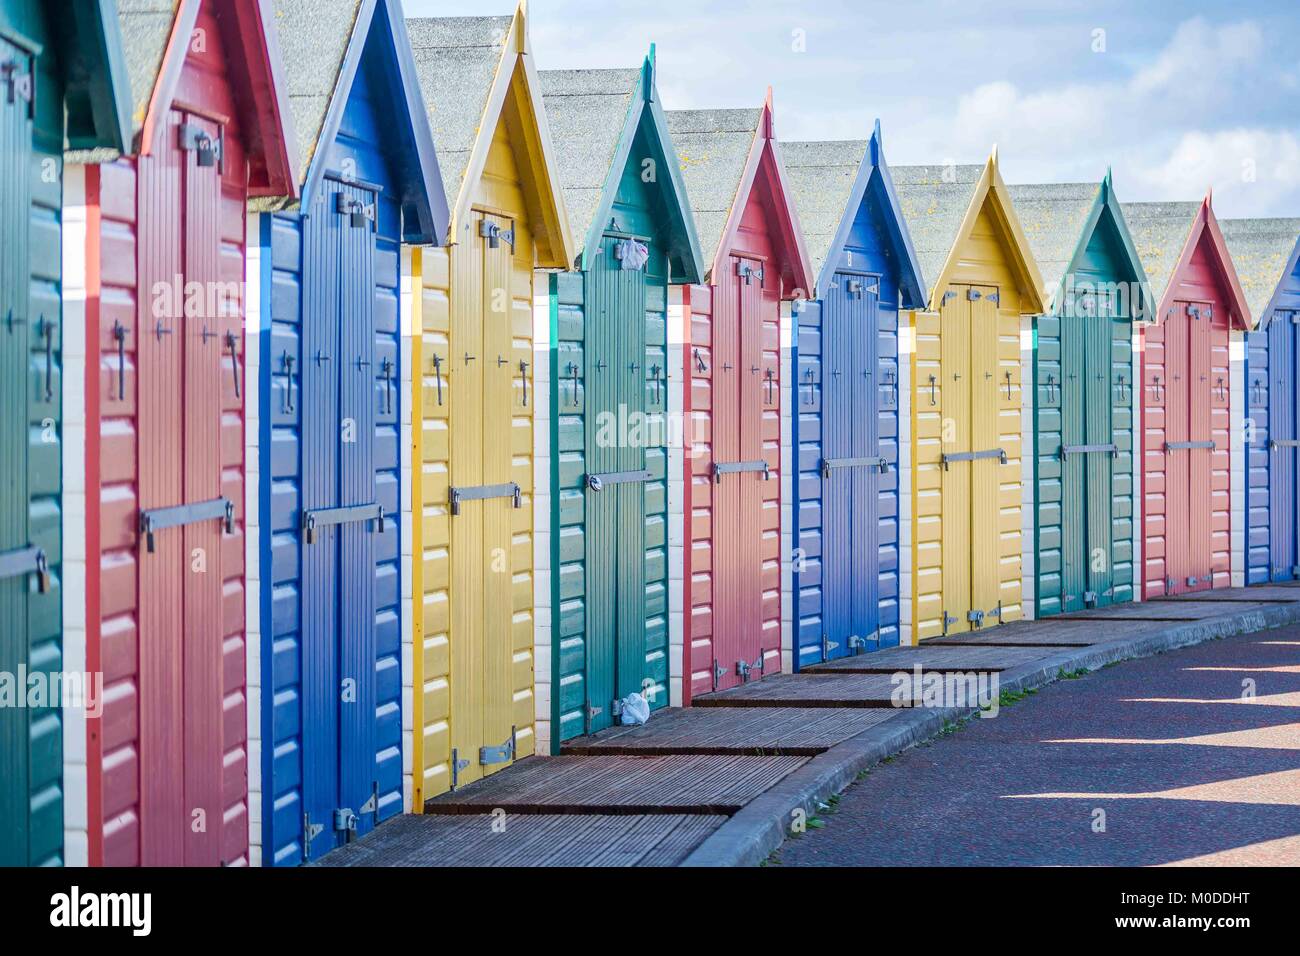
(993,156)
(1209,196)
(875,133)
(651,55)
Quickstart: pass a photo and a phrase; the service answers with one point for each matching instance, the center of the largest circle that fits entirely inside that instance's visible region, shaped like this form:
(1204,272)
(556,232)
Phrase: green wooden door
(616,436)
(1074,375)
(31,813)
(1099,462)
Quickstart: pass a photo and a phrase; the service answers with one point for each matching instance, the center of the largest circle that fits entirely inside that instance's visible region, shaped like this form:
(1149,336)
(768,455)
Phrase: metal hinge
(493,233)
(360,214)
(1169,585)
(718,671)
(994,297)
(948,619)
(1191,582)
(949,296)
(501,753)
(19,84)
(828,645)
(457,765)
(196,139)
(310,831)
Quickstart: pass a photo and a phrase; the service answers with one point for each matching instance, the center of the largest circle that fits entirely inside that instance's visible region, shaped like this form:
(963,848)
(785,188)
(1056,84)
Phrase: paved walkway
(719,783)
(1164,753)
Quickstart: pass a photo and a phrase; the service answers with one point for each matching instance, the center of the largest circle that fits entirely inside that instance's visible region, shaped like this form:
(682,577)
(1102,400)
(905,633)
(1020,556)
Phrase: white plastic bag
(634,709)
(633,255)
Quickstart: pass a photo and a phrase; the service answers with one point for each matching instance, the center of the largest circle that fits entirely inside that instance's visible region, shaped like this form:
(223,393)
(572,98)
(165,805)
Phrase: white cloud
(1254,172)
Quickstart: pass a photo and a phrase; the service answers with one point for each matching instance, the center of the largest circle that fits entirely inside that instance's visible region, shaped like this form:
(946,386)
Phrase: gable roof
(829,181)
(941,205)
(466,67)
(595,116)
(1059,220)
(156,36)
(1166,235)
(721,154)
(324,44)
(1264,253)
(97,88)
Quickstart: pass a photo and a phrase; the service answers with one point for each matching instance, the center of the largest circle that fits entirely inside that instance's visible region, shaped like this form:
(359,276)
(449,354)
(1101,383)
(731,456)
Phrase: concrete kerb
(762,825)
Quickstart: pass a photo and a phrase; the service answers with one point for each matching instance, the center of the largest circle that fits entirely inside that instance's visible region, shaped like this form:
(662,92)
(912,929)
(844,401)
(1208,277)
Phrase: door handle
(119,336)
(933,398)
(523,374)
(386,370)
(1223,392)
(47,329)
(808,378)
(234,360)
(771,384)
(1155,384)
(437,374)
(1123,389)
(1008,376)
(469,358)
(699,362)
(287,361)
(654,372)
(160,330)
(573,374)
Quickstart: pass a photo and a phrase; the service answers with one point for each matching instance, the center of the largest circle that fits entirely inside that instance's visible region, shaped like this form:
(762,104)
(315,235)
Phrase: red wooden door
(1188,448)
(178,447)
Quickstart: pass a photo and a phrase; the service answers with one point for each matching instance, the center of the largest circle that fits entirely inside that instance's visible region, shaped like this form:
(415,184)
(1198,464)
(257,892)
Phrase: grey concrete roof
(314,37)
(587,111)
(456,59)
(934,201)
(1159,231)
(820,177)
(1260,250)
(713,147)
(1052,216)
(146,28)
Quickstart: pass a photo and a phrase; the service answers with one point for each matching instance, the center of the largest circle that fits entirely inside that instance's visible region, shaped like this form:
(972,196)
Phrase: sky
(1175,96)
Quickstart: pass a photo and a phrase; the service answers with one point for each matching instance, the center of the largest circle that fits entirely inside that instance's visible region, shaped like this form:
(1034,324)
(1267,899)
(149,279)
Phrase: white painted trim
(1028,456)
(76,825)
(906,348)
(408,288)
(678,322)
(253,315)
(1139,461)
(787,490)
(1237,455)
(543,616)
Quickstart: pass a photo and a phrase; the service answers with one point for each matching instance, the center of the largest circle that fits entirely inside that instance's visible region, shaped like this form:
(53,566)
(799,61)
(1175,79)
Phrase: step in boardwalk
(932,657)
(798,731)
(715,784)
(506,839)
(617,784)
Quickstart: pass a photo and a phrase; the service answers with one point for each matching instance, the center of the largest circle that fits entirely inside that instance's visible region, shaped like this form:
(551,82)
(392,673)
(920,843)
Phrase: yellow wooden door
(957,436)
(983,560)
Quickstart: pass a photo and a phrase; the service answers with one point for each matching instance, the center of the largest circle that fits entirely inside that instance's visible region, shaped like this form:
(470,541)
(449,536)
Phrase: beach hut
(159,262)
(602,438)
(474,397)
(1190,447)
(966,428)
(327,453)
(1266,256)
(845,399)
(62,82)
(755,261)
(1079,501)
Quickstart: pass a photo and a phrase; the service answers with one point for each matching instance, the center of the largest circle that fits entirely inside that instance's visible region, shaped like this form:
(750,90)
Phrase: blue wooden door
(1282,434)
(341,390)
(851,466)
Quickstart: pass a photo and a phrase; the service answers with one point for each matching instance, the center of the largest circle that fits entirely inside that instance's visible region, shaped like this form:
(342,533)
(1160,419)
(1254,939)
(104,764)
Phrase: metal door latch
(30,560)
(493,233)
(197,140)
(1192,582)
(324,517)
(721,468)
(156,519)
(997,453)
(360,214)
(1090,598)
(744,668)
(346,821)
(857,644)
(747,272)
(483,492)
(501,753)
(976,618)
(19,85)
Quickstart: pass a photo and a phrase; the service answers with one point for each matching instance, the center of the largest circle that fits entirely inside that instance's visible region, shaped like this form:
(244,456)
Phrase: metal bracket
(598,482)
(948,619)
(483,492)
(457,765)
(976,618)
(747,272)
(22,561)
(157,519)
(345,821)
(997,453)
(310,831)
(1066,450)
(20,85)
(828,645)
(371,805)
(721,468)
(878,462)
(1185,445)
(858,644)
(323,517)
(744,668)
(198,140)
(502,753)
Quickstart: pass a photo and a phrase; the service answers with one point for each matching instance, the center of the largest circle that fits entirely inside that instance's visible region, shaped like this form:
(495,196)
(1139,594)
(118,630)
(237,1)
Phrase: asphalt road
(1151,762)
